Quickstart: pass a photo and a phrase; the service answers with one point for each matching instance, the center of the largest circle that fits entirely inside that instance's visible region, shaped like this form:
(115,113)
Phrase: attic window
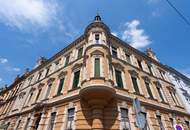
(97,38)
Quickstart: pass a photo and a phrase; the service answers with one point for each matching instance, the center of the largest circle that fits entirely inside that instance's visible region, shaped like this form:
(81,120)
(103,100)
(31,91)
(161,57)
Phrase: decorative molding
(76,66)
(41,85)
(97,52)
(158,84)
(133,73)
(62,73)
(146,79)
(118,66)
(50,80)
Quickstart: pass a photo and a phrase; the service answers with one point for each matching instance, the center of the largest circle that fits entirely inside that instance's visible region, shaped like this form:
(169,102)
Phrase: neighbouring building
(182,86)
(91,85)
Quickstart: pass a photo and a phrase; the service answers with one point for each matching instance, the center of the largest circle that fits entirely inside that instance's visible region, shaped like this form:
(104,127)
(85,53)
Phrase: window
(57,65)
(135,85)
(188,125)
(39,75)
(97,67)
(67,60)
(80,51)
(52,120)
(48,91)
(27,123)
(7,126)
(39,92)
(146,125)
(76,79)
(70,119)
(31,94)
(47,71)
(139,64)
(127,57)
(172,122)
(160,122)
(160,94)
(149,90)
(29,80)
(174,98)
(119,79)
(61,83)
(37,121)
(18,125)
(125,123)
(114,51)
(150,70)
(97,38)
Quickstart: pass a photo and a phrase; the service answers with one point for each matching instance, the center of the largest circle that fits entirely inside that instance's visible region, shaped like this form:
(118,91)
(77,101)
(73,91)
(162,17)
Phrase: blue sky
(33,28)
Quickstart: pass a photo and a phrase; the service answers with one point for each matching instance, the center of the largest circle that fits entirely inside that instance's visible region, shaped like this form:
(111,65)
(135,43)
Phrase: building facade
(91,85)
(182,86)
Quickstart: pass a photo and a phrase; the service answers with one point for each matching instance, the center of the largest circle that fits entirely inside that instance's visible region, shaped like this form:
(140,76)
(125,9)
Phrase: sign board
(140,118)
(178,127)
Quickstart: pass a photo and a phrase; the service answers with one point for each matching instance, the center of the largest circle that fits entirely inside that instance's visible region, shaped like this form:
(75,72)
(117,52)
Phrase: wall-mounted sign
(178,127)
(140,118)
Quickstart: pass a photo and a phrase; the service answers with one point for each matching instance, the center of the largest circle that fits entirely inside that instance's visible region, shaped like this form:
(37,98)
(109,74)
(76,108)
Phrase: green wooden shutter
(135,85)
(61,82)
(76,79)
(67,60)
(80,51)
(97,67)
(119,79)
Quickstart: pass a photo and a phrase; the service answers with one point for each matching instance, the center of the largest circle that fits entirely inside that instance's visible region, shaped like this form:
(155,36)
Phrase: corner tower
(97,87)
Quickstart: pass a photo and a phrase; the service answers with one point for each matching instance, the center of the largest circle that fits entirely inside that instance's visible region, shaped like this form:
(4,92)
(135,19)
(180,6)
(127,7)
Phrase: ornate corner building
(91,85)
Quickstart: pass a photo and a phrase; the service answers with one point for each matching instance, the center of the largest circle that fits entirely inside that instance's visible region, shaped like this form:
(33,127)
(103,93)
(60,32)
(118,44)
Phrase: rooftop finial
(97,17)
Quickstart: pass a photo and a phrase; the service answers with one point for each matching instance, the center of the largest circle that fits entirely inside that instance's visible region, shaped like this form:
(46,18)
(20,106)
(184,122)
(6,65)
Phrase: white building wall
(182,89)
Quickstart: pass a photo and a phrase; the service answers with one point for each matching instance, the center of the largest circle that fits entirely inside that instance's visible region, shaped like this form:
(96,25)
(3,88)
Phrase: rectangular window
(80,51)
(18,125)
(31,94)
(57,65)
(160,122)
(114,51)
(61,83)
(76,79)
(146,125)
(97,67)
(174,98)
(135,85)
(27,123)
(97,38)
(7,126)
(39,92)
(127,57)
(48,91)
(119,79)
(149,90)
(37,121)
(67,60)
(47,71)
(139,64)
(172,122)
(52,121)
(70,119)
(150,69)
(188,124)
(160,93)
(39,75)
(125,123)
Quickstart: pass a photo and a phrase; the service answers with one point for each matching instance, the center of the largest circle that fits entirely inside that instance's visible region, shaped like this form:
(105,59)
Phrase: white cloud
(26,13)
(16,69)
(3,60)
(134,35)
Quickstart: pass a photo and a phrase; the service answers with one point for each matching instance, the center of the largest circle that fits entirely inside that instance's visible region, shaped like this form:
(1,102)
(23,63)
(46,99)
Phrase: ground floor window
(125,123)
(70,119)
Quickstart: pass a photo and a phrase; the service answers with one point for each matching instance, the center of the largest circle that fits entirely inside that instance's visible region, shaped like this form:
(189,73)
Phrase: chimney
(151,54)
